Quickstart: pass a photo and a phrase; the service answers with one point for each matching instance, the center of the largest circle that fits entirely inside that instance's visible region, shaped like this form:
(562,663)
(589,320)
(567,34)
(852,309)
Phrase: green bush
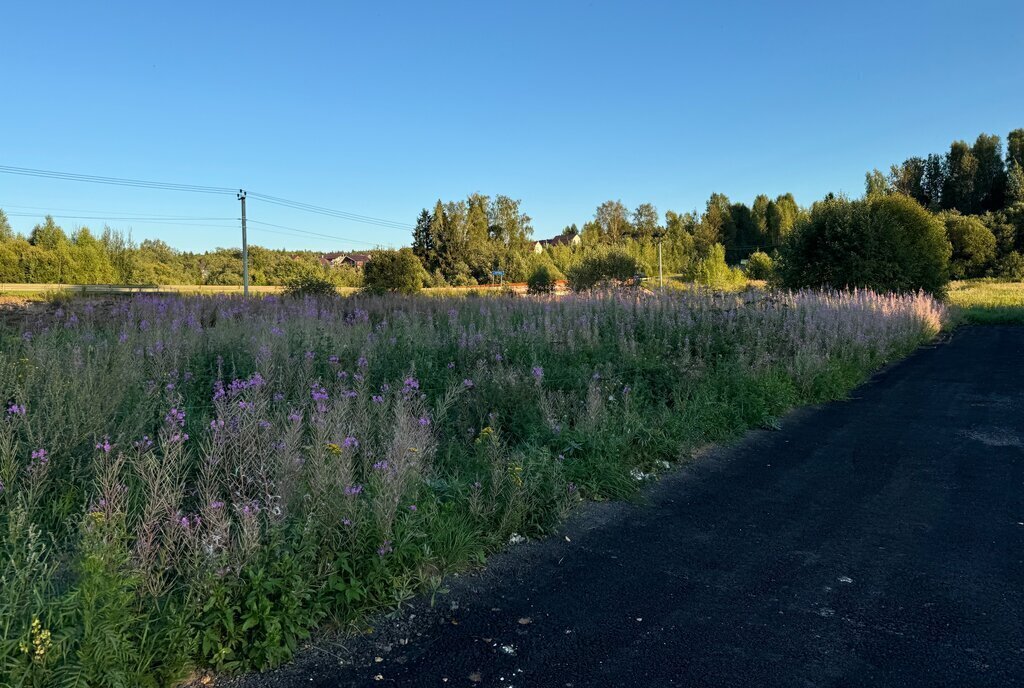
(885,243)
(759,266)
(393,271)
(607,266)
(1011,267)
(974,245)
(540,281)
(712,271)
(310,284)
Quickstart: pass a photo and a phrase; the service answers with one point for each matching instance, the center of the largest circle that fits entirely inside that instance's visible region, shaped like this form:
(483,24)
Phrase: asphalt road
(872,542)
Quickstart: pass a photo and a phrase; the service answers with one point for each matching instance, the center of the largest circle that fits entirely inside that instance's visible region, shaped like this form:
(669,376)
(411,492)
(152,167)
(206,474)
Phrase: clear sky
(381,108)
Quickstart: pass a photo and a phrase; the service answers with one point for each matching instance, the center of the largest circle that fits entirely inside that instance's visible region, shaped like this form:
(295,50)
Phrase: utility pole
(245,248)
(661,279)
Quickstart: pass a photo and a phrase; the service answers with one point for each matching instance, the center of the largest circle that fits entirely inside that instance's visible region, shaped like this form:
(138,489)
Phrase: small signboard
(498,273)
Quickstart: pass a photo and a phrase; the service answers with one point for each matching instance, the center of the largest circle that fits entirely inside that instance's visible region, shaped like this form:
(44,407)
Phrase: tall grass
(203,481)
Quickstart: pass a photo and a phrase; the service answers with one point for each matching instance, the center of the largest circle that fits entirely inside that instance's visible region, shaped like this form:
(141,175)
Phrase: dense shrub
(974,245)
(310,284)
(759,266)
(712,271)
(393,271)
(541,281)
(885,243)
(608,266)
(1011,267)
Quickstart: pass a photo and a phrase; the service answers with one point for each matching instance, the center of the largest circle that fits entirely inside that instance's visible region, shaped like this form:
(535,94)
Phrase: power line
(139,218)
(330,212)
(194,188)
(182,223)
(307,232)
(103,214)
(116,181)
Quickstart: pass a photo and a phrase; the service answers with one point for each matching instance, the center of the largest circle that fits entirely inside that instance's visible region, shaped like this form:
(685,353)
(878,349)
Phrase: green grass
(987,302)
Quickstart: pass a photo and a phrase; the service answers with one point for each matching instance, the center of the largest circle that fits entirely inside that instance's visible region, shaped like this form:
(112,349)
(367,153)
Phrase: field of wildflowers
(203,481)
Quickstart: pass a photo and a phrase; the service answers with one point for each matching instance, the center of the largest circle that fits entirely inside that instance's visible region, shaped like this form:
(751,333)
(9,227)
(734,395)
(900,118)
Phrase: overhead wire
(195,188)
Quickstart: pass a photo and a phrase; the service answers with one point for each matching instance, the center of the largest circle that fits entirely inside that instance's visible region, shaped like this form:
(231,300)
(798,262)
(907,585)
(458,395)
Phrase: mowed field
(988,301)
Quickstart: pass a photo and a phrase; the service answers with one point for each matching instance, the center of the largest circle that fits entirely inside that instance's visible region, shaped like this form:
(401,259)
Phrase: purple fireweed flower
(424,422)
(27,336)
(310,355)
(537,372)
(175,417)
(358,377)
(318,392)
(216,505)
(350,442)
(626,390)
(385,549)
(278,396)
(412,383)
(498,358)
(385,388)
(412,507)
(16,410)
(294,416)
(377,399)
(40,455)
(362,362)
(264,424)
(467,383)
(218,390)
(178,438)
(332,359)
(346,522)
(353,490)
(451,365)
(276,331)
(380,466)
(105,446)
(122,338)
(144,443)
(245,405)
(342,374)
(169,386)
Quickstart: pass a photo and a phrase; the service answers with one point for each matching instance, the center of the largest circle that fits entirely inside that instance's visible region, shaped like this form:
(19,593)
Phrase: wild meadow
(193,482)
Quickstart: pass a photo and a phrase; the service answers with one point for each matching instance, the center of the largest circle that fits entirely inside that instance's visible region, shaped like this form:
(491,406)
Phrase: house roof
(558,240)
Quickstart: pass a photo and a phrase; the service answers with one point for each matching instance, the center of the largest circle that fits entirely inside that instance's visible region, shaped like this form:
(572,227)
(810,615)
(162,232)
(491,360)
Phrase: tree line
(976,191)
(50,255)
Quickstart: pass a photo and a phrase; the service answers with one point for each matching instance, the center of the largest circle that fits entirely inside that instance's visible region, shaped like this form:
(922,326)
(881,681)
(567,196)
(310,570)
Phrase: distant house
(571,240)
(337,260)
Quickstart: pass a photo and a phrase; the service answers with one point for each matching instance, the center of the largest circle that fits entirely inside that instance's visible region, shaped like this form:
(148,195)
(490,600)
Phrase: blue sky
(381,108)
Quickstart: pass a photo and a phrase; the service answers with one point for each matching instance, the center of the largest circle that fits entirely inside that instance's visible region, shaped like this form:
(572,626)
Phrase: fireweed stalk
(208,478)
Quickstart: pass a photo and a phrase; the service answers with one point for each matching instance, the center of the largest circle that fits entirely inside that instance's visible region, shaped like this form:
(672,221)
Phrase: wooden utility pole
(245,248)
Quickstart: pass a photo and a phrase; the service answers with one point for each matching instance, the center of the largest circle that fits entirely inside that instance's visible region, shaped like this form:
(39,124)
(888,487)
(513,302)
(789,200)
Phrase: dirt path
(873,542)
